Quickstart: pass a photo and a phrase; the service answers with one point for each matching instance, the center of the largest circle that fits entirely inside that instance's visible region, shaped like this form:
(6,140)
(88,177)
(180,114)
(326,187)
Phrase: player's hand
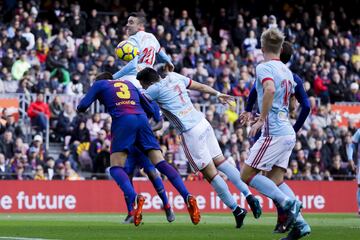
(226,99)
(244,118)
(169,67)
(256,127)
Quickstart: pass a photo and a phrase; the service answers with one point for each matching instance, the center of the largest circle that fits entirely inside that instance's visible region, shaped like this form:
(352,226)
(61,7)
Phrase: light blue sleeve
(163,57)
(152,93)
(187,81)
(350,151)
(129,69)
(356,137)
(264,73)
(351,147)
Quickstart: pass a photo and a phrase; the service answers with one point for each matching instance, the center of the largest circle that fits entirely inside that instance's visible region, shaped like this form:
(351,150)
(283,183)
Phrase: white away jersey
(171,95)
(277,122)
(148,47)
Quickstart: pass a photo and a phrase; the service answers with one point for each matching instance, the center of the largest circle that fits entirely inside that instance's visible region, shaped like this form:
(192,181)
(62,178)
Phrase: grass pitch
(212,226)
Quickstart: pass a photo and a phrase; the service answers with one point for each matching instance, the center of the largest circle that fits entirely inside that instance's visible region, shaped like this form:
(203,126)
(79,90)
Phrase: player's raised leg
(266,152)
(118,173)
(231,172)
(169,171)
(159,187)
(148,143)
(200,156)
(222,190)
(301,227)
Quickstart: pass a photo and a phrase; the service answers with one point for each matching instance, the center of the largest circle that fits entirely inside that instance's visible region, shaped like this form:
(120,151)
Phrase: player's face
(144,85)
(133,26)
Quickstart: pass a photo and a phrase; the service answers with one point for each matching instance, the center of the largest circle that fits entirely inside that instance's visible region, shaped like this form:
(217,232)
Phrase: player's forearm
(163,57)
(251,99)
(128,69)
(267,102)
(203,88)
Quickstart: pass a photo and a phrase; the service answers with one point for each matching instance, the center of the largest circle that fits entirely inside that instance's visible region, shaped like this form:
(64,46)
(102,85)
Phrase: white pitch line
(24,238)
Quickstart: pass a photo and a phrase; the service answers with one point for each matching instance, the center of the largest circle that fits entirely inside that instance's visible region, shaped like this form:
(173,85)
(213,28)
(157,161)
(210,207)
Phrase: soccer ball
(126,51)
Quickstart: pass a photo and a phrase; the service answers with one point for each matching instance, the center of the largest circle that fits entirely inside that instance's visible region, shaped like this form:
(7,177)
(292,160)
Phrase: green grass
(212,226)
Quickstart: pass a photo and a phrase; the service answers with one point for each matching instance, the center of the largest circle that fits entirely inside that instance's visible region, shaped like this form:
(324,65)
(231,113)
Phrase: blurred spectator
(20,67)
(7,146)
(94,125)
(96,146)
(102,160)
(59,172)
(39,113)
(66,156)
(50,168)
(337,171)
(4,168)
(67,121)
(39,173)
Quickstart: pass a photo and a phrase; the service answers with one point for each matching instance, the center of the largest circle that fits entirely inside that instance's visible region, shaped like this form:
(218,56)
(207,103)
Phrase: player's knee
(118,159)
(152,174)
(155,156)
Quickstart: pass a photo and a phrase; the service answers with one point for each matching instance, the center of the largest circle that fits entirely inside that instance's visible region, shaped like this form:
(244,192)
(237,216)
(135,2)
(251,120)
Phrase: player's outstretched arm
(223,98)
(303,99)
(128,69)
(90,97)
(163,57)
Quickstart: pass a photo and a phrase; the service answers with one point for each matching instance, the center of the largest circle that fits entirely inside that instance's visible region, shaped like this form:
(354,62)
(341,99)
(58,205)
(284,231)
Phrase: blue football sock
(123,181)
(223,192)
(269,189)
(174,177)
(234,176)
(289,192)
(159,187)
(129,206)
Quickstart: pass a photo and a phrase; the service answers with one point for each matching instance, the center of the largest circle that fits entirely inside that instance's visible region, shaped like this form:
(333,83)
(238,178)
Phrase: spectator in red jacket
(240,90)
(39,112)
(321,83)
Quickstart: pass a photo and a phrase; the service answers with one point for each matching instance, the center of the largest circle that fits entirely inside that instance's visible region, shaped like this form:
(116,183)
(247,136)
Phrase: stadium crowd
(58,48)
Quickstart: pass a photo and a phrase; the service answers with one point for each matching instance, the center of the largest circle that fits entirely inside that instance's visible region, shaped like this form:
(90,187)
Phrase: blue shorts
(136,158)
(130,130)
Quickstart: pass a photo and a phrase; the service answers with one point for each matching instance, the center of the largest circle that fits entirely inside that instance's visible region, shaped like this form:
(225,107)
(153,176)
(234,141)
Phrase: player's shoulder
(268,65)
(142,35)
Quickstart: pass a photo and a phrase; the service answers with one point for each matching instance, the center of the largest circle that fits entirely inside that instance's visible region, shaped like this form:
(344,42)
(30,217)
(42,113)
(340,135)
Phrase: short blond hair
(272,40)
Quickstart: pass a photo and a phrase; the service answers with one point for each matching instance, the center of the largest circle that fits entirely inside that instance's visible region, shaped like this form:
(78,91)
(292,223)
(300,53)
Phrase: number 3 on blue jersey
(123,92)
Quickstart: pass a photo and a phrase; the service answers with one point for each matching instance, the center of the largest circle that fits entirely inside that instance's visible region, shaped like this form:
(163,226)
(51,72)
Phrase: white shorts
(270,151)
(358,174)
(200,145)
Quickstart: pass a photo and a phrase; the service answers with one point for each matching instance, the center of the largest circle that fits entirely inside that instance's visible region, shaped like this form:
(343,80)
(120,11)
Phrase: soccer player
(274,85)
(199,142)
(149,47)
(130,126)
(302,98)
(350,153)
(137,159)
